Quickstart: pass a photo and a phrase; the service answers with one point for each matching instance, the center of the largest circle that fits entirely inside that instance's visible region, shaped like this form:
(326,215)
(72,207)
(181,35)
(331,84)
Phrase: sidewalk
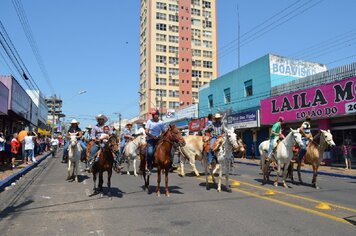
(323,170)
(8,175)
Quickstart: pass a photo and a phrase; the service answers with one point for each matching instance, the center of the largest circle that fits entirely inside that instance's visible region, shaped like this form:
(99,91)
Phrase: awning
(181,123)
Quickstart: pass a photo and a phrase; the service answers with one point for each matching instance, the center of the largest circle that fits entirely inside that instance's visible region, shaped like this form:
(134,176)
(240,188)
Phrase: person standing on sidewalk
(346,152)
(2,149)
(15,149)
(29,143)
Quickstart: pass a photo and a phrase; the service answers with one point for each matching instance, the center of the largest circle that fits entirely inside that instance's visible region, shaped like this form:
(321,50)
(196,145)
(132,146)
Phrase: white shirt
(54,142)
(29,144)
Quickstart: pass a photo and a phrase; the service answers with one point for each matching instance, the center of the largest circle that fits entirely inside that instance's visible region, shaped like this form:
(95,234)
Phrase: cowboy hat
(89,127)
(217,116)
(129,123)
(74,121)
(101,116)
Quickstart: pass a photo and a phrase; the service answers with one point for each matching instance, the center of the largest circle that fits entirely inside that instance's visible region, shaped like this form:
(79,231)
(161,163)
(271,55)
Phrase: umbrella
(22,135)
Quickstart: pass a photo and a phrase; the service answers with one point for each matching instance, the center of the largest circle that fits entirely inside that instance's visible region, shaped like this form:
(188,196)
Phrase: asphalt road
(44,203)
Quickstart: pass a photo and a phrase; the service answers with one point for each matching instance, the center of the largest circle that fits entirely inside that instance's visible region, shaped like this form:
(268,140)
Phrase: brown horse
(89,145)
(162,157)
(105,163)
(314,155)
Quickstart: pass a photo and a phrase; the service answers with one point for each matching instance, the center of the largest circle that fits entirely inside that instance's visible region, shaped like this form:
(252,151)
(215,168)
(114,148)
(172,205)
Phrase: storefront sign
(197,125)
(322,101)
(243,120)
(296,68)
(4,97)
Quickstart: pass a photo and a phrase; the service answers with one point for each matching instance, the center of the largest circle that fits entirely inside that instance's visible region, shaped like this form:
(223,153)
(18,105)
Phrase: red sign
(197,125)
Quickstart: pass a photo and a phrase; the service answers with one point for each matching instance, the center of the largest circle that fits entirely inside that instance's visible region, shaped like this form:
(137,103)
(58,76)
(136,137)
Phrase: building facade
(178,52)
(237,94)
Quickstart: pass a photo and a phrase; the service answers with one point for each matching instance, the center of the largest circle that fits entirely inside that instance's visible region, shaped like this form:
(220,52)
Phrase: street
(44,203)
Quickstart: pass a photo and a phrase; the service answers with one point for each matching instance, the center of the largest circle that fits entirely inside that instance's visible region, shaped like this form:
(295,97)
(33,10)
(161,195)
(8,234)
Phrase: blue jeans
(28,154)
(303,149)
(151,144)
(210,154)
(122,145)
(270,149)
(66,145)
(93,151)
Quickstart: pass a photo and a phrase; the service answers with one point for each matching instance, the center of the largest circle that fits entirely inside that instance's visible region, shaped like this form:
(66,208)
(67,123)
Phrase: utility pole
(120,123)
(238,35)
(53,114)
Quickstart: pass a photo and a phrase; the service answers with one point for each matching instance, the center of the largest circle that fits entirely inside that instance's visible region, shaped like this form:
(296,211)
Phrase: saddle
(206,142)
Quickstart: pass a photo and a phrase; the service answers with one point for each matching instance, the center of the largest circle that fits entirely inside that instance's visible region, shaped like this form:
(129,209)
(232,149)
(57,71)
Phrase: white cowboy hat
(217,116)
(89,127)
(101,116)
(74,121)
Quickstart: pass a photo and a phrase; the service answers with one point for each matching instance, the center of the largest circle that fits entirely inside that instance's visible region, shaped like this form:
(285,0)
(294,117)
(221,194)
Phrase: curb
(309,171)
(10,179)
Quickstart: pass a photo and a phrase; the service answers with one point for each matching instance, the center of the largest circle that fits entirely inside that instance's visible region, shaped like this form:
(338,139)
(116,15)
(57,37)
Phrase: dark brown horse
(105,163)
(162,157)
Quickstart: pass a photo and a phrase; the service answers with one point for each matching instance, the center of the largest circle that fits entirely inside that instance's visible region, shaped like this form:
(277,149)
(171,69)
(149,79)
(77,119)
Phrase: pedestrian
(346,152)
(253,152)
(2,149)
(15,149)
(29,145)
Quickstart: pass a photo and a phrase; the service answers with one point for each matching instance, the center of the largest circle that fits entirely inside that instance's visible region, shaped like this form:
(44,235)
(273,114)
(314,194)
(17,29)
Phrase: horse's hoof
(167,194)
(275,184)
(285,186)
(219,190)
(76,179)
(135,175)
(158,194)
(128,173)
(229,190)
(316,187)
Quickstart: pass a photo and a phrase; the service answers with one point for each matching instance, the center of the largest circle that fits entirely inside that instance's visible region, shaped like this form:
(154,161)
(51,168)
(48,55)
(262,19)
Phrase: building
(39,100)
(237,94)
(178,52)
(328,97)
(54,104)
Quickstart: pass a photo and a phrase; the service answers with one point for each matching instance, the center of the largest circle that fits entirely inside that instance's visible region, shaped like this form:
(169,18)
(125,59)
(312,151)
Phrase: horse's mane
(316,139)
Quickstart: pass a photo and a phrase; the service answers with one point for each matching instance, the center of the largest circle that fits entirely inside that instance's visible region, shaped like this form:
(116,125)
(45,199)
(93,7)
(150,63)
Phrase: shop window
(248,88)
(211,101)
(227,95)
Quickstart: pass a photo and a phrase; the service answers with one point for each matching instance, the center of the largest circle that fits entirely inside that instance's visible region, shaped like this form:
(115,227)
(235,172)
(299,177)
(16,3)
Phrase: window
(196,52)
(173,18)
(207,24)
(227,95)
(206,4)
(161,48)
(196,22)
(161,70)
(161,16)
(173,82)
(173,105)
(161,37)
(173,7)
(173,39)
(196,42)
(196,32)
(208,74)
(195,84)
(211,102)
(207,54)
(162,27)
(161,81)
(161,5)
(207,33)
(195,12)
(248,88)
(174,28)
(195,95)
(207,64)
(196,2)
(161,59)
(174,93)
(196,73)
(207,44)
(173,49)
(173,71)
(196,63)
(161,92)
(207,14)
(173,60)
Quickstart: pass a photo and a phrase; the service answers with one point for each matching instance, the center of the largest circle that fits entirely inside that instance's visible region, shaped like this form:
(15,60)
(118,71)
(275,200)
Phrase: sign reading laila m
(243,119)
(296,68)
(327,100)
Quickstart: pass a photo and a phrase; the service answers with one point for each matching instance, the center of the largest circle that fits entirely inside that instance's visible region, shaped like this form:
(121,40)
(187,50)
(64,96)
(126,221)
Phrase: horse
(89,145)
(131,152)
(162,156)
(74,154)
(314,155)
(283,154)
(105,163)
(223,148)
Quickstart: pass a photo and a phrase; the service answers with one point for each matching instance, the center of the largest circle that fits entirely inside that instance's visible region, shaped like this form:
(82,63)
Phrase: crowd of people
(15,151)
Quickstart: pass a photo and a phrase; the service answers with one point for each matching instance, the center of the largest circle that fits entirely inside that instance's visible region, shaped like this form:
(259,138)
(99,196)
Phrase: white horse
(131,152)
(283,154)
(74,154)
(226,144)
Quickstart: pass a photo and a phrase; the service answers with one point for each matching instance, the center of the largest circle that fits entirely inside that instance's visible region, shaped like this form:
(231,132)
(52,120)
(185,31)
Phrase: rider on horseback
(74,128)
(126,136)
(276,133)
(87,135)
(154,129)
(306,135)
(216,129)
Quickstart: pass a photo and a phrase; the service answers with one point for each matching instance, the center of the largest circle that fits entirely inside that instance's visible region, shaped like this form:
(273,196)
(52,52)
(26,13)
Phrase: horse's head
(233,140)
(176,135)
(297,137)
(112,143)
(73,139)
(328,137)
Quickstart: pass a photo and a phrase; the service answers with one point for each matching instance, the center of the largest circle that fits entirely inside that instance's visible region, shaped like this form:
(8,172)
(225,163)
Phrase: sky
(93,46)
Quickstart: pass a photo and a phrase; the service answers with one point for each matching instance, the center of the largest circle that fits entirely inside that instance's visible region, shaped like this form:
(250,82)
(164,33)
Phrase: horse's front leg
(315,174)
(192,164)
(298,170)
(158,181)
(128,166)
(101,181)
(277,174)
(94,180)
(219,180)
(76,171)
(134,167)
(109,181)
(227,173)
(182,167)
(69,166)
(166,171)
(285,172)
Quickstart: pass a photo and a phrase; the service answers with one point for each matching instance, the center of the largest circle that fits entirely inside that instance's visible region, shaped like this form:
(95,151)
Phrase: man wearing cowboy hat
(87,135)
(74,128)
(96,133)
(126,136)
(216,129)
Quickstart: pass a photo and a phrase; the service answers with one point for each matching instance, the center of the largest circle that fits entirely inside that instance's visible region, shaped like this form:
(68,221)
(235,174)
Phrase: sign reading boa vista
(322,101)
